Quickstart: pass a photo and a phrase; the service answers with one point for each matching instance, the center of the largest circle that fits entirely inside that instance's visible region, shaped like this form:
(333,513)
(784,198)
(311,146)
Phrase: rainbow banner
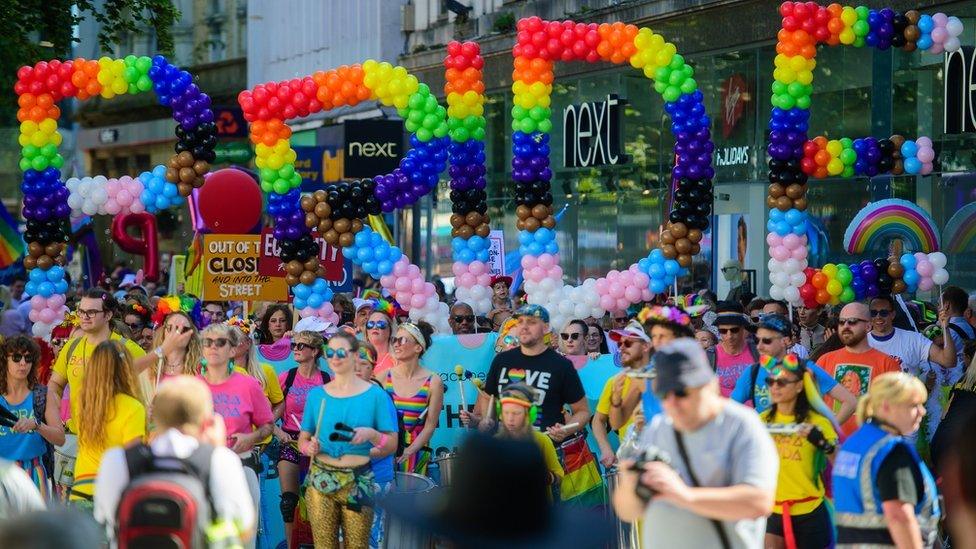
(12,245)
(960,230)
(891,218)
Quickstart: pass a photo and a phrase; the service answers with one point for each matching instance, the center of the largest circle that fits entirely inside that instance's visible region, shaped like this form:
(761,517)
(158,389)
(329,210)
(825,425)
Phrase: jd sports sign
(591,133)
(960,91)
(372,147)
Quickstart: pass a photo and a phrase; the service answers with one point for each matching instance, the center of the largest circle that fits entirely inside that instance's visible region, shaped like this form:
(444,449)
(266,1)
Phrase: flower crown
(245,325)
(177,304)
(673,315)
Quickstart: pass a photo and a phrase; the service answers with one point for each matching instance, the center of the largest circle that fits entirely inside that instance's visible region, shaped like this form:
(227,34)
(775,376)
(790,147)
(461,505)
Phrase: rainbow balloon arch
(454,136)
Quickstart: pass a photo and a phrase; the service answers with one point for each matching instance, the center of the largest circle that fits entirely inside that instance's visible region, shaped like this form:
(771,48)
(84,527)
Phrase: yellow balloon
(48,125)
(798,62)
(835,167)
(28,127)
(847,36)
(23,140)
(848,16)
(834,147)
(788,75)
(38,139)
(275,161)
(290,156)
(805,78)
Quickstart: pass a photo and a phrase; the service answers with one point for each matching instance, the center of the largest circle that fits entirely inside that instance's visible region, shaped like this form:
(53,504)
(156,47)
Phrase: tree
(39,30)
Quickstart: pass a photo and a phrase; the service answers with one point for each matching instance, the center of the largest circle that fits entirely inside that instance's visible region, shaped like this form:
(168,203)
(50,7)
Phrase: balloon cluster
(619,289)
(121,76)
(531,172)
(314,299)
(472,281)
(157,192)
(104,196)
(371,252)
(337,212)
(196,133)
(44,199)
(661,270)
(47,286)
(937,33)
(924,271)
(794,158)
(465,92)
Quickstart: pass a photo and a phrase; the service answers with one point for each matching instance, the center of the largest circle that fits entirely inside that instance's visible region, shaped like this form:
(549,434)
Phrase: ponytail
(896,387)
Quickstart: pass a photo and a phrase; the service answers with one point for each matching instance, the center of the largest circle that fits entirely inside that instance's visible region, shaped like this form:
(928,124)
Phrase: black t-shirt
(899,477)
(551,374)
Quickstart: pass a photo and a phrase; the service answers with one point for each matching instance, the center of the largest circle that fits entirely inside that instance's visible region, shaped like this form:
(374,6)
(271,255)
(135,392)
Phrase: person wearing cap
(772,339)
(533,362)
(501,301)
(635,354)
(713,480)
(734,352)
(363,309)
(516,406)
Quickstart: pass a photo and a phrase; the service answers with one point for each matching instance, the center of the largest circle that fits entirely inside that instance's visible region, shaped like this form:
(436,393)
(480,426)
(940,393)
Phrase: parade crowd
(733,423)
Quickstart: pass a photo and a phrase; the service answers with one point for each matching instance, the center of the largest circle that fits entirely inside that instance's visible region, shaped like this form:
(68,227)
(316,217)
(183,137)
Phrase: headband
(792,363)
(245,325)
(515,400)
(415,333)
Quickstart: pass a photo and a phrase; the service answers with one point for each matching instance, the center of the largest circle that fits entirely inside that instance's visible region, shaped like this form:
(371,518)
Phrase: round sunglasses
(336,353)
(377,324)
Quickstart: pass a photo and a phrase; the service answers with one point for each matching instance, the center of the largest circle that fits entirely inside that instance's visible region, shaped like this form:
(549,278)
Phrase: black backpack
(167,502)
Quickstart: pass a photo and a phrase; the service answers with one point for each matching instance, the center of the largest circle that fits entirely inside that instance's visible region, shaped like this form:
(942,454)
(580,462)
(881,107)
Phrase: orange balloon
(823,297)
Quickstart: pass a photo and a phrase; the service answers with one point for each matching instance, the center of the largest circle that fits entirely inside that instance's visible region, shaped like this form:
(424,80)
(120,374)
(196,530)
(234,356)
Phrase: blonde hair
(968,380)
(194,352)
(109,373)
(251,363)
(894,387)
(183,403)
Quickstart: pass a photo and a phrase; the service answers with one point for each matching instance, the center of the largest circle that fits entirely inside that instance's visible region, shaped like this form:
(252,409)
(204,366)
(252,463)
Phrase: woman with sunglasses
(805,435)
(136,317)
(417,393)
(24,438)
(343,421)
(238,398)
(379,329)
(572,338)
(182,359)
(298,382)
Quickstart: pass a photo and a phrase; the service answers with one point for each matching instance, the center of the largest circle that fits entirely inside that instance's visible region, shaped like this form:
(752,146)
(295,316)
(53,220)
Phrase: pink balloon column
(472,281)
(415,295)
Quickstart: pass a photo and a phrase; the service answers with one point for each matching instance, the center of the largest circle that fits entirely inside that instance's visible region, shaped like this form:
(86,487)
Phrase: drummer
(518,413)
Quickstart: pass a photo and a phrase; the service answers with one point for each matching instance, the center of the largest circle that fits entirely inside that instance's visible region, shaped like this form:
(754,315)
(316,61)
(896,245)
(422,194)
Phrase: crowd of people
(727,423)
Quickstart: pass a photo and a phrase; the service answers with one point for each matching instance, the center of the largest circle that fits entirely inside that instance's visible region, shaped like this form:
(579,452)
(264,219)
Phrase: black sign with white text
(372,147)
(960,91)
(591,133)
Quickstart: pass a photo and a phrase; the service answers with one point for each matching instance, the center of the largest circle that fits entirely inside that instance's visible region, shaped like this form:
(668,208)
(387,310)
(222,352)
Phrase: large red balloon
(230,202)
(147,246)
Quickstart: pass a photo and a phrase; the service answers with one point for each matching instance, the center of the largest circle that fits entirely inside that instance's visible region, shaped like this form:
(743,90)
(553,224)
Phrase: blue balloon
(475,243)
(61,286)
(299,303)
(384,267)
(783,228)
(913,165)
(925,24)
(671,267)
(369,267)
(552,247)
(643,264)
(656,256)
(483,256)
(925,42)
(535,248)
(361,239)
(909,149)
(656,271)
(364,254)
(38,275)
(395,254)
(314,301)
(908,261)
(465,256)
(375,239)
(658,286)
(31,287)
(776,214)
(301,291)
(349,253)
(525,237)
(320,286)
(911,277)
(45,289)
(380,252)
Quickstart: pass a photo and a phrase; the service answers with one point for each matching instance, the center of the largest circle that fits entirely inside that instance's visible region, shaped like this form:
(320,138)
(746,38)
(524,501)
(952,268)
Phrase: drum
(64,465)
(399,533)
(627,535)
(445,466)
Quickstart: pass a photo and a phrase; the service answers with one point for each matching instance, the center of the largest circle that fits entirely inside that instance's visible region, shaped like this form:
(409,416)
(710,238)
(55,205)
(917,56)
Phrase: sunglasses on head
(301,346)
(733,330)
(883,313)
(850,321)
(26,357)
(336,353)
(566,337)
(377,324)
(780,381)
(218,342)
(463,318)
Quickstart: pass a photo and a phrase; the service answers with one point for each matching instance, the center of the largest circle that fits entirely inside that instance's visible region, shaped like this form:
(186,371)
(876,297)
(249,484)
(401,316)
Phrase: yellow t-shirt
(549,455)
(603,405)
(272,389)
(796,463)
(74,370)
(127,421)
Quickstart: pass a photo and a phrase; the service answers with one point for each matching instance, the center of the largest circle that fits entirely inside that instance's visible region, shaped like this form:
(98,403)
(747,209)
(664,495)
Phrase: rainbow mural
(960,230)
(891,218)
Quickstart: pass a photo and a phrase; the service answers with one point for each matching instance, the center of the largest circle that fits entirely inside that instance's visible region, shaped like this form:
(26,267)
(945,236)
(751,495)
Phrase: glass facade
(613,214)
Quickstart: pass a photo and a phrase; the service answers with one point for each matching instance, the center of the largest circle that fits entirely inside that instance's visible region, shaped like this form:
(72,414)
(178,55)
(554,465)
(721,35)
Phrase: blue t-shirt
(652,406)
(367,409)
(383,467)
(825,383)
(20,446)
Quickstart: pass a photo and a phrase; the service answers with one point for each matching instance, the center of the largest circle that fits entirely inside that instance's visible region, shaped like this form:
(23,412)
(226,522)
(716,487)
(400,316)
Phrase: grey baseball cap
(680,365)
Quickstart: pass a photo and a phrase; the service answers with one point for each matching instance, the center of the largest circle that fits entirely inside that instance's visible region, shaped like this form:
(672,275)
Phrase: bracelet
(382,441)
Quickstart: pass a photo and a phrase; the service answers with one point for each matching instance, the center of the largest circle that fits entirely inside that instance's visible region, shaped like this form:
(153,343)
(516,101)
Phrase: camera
(651,454)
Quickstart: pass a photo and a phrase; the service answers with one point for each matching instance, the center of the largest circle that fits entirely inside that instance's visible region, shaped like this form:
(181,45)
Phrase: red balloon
(147,246)
(235,216)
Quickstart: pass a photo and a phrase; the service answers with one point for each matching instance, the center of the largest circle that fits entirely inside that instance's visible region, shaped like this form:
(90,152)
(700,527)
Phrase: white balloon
(952,44)
(940,277)
(938,259)
(798,279)
(776,292)
(792,294)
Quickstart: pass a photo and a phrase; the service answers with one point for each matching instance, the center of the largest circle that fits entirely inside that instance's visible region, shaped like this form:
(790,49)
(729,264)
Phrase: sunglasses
(18,357)
(780,382)
(756,319)
(627,343)
(883,313)
(335,353)
(734,330)
(850,321)
(767,340)
(510,340)
(568,337)
(301,346)
(401,340)
(377,325)
(678,393)
(620,320)
(89,313)
(218,342)
(463,318)
(173,328)
(135,326)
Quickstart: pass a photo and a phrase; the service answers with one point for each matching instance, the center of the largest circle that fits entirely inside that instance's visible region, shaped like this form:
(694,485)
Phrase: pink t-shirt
(242,404)
(728,367)
(295,399)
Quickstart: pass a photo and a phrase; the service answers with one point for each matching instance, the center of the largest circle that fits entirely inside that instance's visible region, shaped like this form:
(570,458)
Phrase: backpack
(753,369)
(167,502)
(290,380)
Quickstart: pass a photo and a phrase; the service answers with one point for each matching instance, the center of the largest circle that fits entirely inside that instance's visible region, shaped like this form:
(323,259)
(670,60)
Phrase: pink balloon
(779,253)
(799,254)
(616,290)
(37,303)
(791,241)
(413,271)
(940,19)
(926,284)
(647,294)
(55,301)
(399,268)
(466,280)
(418,301)
(429,289)
(546,261)
(936,47)
(774,240)
(477,268)
(484,279)
(632,294)
(919,257)
(622,304)
(33,315)
(417,285)
(939,35)
(925,268)
(112,207)
(112,187)
(459,268)
(607,303)
(612,275)
(925,154)
(926,168)
(924,141)
(402,284)
(137,206)
(387,281)
(641,280)
(47,316)
(556,272)
(529,261)
(123,198)
(602,286)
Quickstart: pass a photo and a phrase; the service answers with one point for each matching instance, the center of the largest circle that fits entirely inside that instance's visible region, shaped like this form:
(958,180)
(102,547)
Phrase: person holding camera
(708,478)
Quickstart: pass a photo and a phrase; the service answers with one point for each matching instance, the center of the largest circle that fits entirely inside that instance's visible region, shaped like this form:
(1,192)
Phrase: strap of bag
(754,375)
(289,381)
(962,335)
(719,529)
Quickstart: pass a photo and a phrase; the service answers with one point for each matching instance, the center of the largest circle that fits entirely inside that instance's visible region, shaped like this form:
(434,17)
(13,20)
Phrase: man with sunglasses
(461,319)
(913,349)
(734,353)
(857,363)
(721,480)
(773,336)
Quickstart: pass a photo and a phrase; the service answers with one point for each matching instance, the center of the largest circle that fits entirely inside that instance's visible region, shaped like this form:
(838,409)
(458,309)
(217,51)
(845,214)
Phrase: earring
(230,367)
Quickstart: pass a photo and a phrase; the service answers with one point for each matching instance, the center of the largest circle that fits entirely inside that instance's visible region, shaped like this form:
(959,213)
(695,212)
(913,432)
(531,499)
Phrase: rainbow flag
(12,245)
(582,484)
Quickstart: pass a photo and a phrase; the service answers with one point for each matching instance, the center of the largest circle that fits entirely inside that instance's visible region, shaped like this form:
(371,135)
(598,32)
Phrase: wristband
(382,441)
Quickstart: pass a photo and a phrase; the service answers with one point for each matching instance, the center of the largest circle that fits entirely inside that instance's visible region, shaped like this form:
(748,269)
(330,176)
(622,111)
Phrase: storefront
(614,210)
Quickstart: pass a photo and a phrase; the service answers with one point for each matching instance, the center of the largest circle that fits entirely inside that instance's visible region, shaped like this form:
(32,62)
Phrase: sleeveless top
(410,407)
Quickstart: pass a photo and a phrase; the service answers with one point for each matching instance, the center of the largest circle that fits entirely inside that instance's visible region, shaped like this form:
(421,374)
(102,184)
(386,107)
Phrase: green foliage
(38,30)
(504,23)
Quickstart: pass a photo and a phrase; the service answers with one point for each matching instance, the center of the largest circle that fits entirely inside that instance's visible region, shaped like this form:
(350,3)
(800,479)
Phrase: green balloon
(266,187)
(50,150)
(424,134)
(129,59)
(848,171)
(526,125)
(460,135)
(862,12)
(57,161)
(25,164)
(779,87)
(545,126)
(539,113)
(859,42)
(803,102)
(795,89)
(39,163)
(430,121)
(440,111)
(689,86)
(29,151)
(144,64)
(478,134)
(130,74)
(671,94)
(430,103)
(845,276)
(847,296)
(847,142)
(677,61)
(660,86)
(662,74)
(518,113)
(144,83)
(296,180)
(416,101)
(281,186)
(416,115)
(411,125)
(786,101)
(848,157)
(441,130)
(267,174)
(861,28)
(286,171)
(677,77)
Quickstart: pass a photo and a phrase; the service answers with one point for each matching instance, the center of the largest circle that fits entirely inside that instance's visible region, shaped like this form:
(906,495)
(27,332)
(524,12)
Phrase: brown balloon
(549,222)
(483,230)
(173,175)
(684,260)
(667,238)
(540,211)
(912,16)
(678,230)
(325,225)
(30,262)
(291,280)
(331,236)
(795,191)
(294,267)
(201,167)
(322,210)
(36,248)
(695,235)
(187,175)
(532,224)
(784,203)
(45,262)
(800,203)
(898,287)
(695,249)
(174,162)
(342,225)
(311,264)
(185,159)
(776,190)
(307,203)
(897,140)
(465,231)
(909,47)
(346,240)
(473,219)
(357,225)
(457,220)
(311,220)
(523,212)
(307,277)
(520,225)
(319,195)
(770,202)
(896,270)
(669,251)
(184,189)
(320,272)
(683,245)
